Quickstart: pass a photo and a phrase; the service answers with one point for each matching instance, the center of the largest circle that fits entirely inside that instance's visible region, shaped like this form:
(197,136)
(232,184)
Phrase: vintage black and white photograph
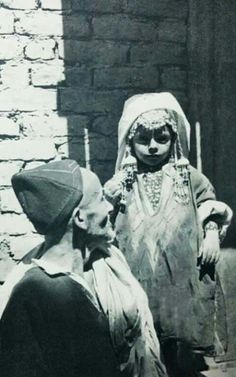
(117,188)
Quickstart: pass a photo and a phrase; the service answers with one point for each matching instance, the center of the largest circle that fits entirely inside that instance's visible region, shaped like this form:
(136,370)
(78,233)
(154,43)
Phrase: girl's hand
(113,187)
(210,250)
(219,210)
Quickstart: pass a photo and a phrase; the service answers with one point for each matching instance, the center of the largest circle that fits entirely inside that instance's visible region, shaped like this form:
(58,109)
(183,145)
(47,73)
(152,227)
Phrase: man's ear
(79,218)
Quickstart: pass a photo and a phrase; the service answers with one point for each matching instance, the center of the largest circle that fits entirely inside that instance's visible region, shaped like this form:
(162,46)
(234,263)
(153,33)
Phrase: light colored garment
(142,103)
(161,247)
(161,243)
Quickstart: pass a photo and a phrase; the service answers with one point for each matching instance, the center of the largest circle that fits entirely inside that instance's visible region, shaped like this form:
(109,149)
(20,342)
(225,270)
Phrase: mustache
(96,230)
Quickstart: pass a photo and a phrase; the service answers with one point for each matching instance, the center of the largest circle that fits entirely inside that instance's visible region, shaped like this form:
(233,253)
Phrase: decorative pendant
(181,181)
(129,166)
(151,120)
(152,183)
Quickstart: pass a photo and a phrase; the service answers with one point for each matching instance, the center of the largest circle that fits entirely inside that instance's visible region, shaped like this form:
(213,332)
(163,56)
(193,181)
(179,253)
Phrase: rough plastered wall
(69,65)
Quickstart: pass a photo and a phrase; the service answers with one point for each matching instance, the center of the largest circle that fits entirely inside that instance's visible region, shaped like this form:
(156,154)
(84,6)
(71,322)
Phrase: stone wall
(67,65)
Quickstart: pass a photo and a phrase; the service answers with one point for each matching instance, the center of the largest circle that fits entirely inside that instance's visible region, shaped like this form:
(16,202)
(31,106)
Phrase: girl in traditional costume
(168,225)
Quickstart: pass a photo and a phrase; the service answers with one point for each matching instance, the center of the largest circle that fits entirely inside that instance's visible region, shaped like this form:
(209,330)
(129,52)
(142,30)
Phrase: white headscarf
(141,103)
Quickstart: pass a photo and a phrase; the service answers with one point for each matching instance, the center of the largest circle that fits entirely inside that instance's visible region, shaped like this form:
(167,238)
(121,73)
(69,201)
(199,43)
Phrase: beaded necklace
(152,184)
(152,180)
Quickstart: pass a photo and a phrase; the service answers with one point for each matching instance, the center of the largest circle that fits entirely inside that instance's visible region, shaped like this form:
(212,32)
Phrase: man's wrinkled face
(98,217)
(96,212)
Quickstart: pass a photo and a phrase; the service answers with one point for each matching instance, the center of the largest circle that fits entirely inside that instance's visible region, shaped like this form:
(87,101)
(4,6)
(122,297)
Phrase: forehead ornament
(152,120)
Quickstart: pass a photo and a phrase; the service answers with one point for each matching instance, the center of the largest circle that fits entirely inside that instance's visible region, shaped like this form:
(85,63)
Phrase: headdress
(155,110)
(151,120)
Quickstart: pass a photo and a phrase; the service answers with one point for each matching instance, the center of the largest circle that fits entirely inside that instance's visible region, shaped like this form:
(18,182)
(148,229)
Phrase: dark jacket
(50,328)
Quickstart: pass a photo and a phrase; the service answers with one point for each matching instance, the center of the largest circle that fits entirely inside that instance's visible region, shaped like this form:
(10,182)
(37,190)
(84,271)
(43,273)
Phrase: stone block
(11,47)
(6,22)
(21,245)
(105,125)
(72,125)
(9,202)
(75,26)
(6,262)
(15,75)
(121,27)
(33,165)
(5,268)
(102,6)
(34,125)
(159,53)
(8,127)
(173,78)
(45,75)
(52,125)
(19,4)
(102,148)
(161,8)
(13,224)
(29,99)
(40,49)
(4,247)
(180,95)
(26,150)
(72,148)
(48,23)
(104,169)
(79,77)
(82,101)
(172,31)
(126,77)
(56,4)
(93,53)
(7,169)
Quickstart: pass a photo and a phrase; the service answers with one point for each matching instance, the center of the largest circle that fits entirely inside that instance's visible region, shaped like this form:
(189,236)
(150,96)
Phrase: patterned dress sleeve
(208,207)
(202,187)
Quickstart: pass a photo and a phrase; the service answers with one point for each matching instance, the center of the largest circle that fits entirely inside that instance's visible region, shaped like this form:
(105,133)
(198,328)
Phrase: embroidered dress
(160,228)
(160,241)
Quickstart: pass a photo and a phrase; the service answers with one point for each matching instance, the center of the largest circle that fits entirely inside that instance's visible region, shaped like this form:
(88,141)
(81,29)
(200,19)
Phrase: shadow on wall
(90,97)
(109,54)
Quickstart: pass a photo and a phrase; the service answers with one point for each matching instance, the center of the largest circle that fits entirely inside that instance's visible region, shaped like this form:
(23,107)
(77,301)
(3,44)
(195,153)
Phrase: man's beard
(99,238)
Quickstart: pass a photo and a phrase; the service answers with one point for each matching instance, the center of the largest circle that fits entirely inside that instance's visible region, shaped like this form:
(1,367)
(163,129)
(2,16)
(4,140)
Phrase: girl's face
(152,146)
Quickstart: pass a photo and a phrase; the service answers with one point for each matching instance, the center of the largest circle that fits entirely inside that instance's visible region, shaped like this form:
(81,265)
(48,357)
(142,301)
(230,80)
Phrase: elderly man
(72,307)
